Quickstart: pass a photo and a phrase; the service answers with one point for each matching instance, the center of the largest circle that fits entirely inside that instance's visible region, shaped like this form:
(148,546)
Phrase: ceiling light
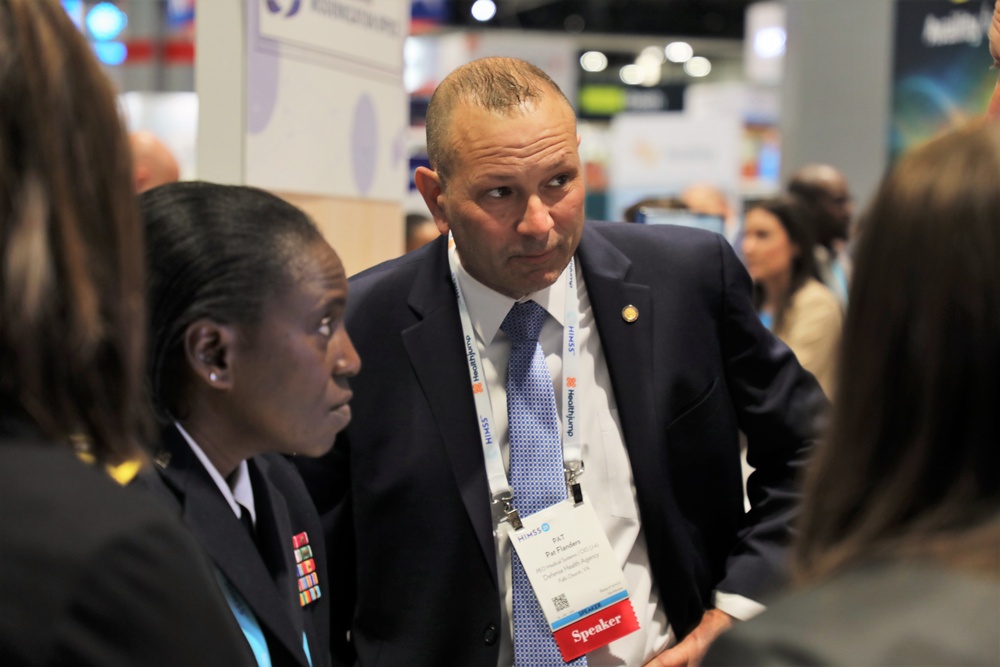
(698,67)
(483,10)
(653,52)
(769,42)
(631,74)
(678,52)
(594,61)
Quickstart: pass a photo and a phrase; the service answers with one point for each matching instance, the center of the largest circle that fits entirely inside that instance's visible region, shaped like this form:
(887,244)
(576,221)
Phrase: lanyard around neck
(572,442)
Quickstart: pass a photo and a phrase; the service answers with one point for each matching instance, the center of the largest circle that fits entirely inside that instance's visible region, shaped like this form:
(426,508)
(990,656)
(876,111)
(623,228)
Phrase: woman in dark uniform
(249,361)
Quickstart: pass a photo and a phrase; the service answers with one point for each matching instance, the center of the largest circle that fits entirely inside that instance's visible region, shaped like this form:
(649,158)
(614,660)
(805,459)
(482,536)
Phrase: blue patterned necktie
(536,470)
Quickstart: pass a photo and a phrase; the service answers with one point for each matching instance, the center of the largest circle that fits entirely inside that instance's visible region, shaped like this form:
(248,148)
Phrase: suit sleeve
(780,408)
(147,598)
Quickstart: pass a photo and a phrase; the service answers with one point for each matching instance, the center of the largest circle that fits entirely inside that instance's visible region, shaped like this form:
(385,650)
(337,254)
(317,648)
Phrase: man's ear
(428,182)
(208,349)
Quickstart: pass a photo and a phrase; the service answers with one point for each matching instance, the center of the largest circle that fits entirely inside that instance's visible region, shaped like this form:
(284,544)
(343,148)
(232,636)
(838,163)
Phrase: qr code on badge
(560,602)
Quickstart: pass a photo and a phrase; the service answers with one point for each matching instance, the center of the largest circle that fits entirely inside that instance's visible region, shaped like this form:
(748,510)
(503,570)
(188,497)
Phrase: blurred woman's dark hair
(791,213)
(71,300)
(216,252)
(912,465)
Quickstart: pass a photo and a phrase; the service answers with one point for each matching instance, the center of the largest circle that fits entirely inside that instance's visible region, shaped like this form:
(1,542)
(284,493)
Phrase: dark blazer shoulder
(674,241)
(100,574)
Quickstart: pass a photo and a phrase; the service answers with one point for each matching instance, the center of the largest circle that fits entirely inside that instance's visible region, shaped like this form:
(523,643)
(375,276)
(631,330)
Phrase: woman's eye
(326,327)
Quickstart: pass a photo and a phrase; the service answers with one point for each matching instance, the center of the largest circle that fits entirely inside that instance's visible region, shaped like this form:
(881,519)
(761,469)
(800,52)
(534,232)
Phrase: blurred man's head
(420,230)
(152,162)
(707,199)
(824,189)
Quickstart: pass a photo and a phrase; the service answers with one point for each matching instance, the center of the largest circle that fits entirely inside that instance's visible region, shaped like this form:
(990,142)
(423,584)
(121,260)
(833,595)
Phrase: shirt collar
(488,308)
(237,490)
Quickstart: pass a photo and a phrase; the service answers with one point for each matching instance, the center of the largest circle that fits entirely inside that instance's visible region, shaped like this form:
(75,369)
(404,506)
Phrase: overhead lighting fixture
(678,52)
(594,61)
(698,67)
(654,53)
(631,74)
(769,42)
(105,21)
(484,10)
(111,53)
(652,68)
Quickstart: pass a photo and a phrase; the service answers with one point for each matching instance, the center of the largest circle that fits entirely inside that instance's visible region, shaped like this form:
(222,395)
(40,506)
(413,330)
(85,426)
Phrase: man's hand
(690,652)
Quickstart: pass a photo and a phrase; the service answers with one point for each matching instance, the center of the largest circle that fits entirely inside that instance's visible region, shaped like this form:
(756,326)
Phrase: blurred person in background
(898,548)
(93,573)
(823,189)
(249,361)
(707,199)
(792,303)
(152,162)
(420,230)
(635,212)
(993,111)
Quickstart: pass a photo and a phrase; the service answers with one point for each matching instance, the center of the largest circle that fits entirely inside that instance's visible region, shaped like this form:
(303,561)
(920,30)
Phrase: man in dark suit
(672,362)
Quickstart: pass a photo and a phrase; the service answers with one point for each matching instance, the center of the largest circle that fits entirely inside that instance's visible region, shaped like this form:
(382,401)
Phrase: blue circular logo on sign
(274,7)
(545,527)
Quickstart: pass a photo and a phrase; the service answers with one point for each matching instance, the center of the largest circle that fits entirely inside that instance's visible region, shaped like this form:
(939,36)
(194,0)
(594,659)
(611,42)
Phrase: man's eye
(326,327)
(559,180)
(498,193)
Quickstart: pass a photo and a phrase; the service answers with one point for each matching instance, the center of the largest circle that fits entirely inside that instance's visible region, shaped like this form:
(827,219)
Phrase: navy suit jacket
(266,575)
(405,493)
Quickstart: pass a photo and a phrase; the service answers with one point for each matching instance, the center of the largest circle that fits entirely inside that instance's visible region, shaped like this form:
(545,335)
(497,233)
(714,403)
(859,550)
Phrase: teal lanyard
(249,624)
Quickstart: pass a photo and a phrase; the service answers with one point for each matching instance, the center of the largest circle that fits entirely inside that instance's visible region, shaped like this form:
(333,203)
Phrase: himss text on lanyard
(572,442)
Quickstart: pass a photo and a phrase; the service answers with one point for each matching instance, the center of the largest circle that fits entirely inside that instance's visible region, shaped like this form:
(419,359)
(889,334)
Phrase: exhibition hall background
(322,101)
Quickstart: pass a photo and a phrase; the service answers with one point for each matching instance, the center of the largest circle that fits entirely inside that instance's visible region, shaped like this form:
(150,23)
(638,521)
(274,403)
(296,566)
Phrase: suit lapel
(628,349)
(227,543)
(434,348)
(275,532)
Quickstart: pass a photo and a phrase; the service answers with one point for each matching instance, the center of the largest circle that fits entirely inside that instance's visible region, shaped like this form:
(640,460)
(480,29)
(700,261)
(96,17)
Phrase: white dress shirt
(607,479)
(237,491)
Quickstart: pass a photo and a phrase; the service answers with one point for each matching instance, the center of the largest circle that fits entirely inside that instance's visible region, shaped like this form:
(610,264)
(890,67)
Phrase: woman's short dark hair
(913,460)
(71,301)
(791,213)
(215,252)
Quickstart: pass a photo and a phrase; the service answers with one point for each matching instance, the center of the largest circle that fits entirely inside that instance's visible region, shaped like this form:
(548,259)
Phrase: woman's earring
(213,377)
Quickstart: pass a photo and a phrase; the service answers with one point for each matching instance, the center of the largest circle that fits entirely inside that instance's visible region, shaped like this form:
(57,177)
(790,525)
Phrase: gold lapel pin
(630,313)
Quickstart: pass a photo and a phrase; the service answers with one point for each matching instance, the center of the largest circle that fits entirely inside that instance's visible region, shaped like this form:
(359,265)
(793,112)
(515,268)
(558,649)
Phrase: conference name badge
(576,577)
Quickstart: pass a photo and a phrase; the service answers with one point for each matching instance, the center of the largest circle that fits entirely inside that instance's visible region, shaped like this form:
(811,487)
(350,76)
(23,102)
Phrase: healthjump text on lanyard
(563,548)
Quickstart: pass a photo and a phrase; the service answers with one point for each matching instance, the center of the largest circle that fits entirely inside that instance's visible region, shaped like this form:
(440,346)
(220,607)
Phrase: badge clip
(573,472)
(509,511)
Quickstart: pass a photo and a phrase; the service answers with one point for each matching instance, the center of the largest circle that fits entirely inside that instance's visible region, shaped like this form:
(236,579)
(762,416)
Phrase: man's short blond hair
(501,85)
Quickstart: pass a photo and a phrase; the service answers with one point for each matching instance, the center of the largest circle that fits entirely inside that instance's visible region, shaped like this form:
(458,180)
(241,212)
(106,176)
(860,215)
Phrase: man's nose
(536,221)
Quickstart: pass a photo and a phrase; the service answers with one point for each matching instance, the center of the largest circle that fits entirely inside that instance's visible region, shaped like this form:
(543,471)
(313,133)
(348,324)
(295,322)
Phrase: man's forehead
(471,118)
